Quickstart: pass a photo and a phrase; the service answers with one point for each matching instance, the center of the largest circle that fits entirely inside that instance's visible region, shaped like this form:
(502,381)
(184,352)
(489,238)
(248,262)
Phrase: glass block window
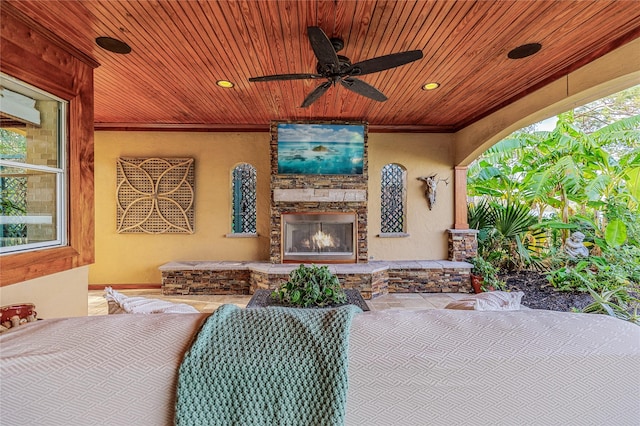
(244,199)
(393,199)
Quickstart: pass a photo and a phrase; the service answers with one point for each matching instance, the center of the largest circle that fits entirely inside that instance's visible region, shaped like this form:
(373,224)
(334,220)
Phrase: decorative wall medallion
(155,195)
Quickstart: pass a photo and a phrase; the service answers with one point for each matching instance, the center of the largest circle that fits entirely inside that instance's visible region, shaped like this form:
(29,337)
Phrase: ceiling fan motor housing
(345,63)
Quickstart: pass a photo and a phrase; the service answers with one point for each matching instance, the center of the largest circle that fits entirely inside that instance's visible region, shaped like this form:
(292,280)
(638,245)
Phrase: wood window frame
(34,55)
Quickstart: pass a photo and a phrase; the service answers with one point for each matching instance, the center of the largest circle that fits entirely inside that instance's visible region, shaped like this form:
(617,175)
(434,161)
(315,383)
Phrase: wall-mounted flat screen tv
(320,149)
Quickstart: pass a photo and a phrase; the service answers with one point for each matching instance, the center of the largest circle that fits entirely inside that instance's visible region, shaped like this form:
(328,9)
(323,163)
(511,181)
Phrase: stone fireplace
(319,237)
(329,207)
(337,202)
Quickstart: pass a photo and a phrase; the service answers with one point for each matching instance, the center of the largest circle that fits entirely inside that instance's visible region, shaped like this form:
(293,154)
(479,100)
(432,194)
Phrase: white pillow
(499,301)
(490,301)
(143,305)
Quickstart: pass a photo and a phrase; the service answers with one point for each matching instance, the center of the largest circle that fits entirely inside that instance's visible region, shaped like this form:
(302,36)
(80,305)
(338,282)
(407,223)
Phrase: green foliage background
(530,191)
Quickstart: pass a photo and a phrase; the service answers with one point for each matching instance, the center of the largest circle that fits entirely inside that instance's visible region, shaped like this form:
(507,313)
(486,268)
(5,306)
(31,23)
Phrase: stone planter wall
(452,279)
(205,282)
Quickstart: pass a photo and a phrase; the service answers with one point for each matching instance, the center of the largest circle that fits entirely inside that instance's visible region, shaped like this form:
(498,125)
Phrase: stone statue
(574,245)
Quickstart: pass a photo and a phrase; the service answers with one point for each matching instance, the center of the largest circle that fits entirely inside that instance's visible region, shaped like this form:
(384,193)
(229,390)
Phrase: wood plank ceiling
(181,48)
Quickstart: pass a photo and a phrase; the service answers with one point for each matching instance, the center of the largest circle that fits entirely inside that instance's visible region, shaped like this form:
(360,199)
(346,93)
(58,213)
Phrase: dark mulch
(539,294)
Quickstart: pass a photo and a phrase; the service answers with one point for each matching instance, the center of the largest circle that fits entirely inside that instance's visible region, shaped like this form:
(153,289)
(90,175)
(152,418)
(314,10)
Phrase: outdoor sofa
(423,367)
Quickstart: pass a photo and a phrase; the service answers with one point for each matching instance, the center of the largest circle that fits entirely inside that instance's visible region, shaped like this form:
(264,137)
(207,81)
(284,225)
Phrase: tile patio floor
(98,304)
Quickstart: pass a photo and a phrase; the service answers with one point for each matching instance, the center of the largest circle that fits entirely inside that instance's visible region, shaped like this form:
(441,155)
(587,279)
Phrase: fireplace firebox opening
(319,237)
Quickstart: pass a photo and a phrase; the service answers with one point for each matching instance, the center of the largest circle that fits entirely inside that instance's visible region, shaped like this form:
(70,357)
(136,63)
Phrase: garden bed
(540,294)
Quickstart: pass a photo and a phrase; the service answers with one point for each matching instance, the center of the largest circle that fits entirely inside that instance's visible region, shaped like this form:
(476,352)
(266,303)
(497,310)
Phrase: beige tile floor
(98,304)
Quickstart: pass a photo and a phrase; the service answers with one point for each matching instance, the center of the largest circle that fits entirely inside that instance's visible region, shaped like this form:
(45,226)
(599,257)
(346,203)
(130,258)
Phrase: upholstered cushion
(121,304)
(490,301)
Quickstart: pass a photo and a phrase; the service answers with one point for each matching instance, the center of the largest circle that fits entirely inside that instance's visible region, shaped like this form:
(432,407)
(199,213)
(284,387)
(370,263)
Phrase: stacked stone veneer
(370,283)
(317,194)
(429,277)
(372,280)
(463,244)
(206,278)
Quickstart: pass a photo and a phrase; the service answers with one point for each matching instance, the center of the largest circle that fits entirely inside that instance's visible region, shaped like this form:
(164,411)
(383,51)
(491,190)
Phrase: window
(70,79)
(393,199)
(244,199)
(32,168)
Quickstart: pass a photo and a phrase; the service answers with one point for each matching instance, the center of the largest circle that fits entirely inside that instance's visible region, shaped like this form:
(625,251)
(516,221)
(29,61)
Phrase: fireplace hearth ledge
(372,279)
(342,268)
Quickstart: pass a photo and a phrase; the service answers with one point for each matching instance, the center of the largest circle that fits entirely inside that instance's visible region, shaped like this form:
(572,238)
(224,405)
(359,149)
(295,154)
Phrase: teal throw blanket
(267,366)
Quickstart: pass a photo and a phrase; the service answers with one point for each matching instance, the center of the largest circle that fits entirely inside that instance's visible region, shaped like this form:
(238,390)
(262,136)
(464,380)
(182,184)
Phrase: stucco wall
(420,155)
(63,294)
(135,258)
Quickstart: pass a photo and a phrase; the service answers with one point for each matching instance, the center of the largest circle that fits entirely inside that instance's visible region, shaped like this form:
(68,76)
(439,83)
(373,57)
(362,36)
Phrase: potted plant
(484,276)
(310,286)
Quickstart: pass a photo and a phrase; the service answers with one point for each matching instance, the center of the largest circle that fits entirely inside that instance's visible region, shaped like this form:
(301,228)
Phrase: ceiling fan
(338,69)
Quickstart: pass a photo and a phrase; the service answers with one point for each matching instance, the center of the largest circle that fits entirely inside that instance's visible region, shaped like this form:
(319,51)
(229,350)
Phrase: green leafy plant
(584,174)
(488,272)
(573,276)
(614,303)
(596,272)
(310,286)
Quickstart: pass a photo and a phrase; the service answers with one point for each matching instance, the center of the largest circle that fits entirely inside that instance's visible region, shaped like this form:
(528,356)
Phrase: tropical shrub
(507,235)
(583,175)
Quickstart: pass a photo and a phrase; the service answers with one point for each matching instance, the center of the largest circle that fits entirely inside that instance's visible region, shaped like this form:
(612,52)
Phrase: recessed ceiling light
(430,86)
(524,51)
(225,84)
(113,45)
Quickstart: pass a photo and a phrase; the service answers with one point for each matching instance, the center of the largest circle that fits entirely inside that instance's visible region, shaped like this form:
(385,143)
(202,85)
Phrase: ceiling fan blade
(323,49)
(315,95)
(385,62)
(364,89)
(278,77)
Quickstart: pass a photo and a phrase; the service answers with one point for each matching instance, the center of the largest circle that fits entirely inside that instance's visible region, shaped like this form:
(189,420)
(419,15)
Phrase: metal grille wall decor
(393,198)
(244,199)
(155,195)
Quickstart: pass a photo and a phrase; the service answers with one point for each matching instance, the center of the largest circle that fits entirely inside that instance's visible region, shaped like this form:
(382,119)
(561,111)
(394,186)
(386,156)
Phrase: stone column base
(463,244)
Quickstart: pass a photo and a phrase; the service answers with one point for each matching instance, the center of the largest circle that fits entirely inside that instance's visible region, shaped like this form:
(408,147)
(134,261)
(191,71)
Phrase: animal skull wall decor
(430,190)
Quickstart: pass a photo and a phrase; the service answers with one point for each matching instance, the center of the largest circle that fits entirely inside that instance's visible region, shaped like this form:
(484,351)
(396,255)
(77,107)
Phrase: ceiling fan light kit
(338,69)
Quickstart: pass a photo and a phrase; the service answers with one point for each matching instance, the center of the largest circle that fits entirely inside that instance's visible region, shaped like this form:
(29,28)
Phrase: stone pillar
(463,244)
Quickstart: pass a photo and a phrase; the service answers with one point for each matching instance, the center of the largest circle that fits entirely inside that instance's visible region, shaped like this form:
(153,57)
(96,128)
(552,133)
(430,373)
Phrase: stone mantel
(319,195)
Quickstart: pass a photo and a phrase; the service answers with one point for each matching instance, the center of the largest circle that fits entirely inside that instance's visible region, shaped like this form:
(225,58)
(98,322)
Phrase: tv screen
(320,149)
